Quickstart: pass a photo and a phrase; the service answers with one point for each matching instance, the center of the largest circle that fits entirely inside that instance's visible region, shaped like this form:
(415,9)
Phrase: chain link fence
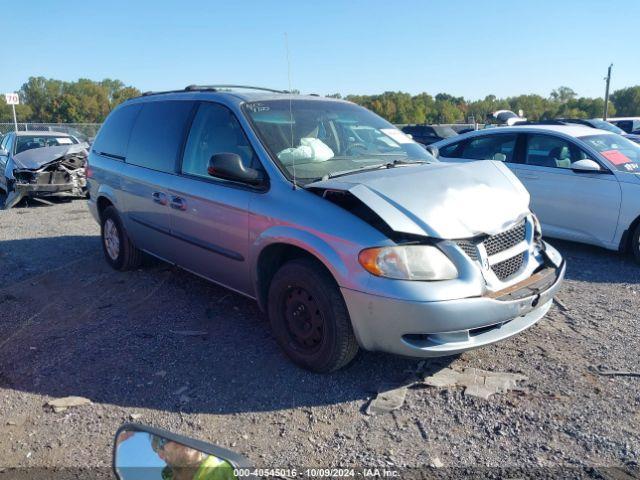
(85,132)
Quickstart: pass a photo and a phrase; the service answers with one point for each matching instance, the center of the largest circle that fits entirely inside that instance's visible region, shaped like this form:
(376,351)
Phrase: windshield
(444,132)
(620,152)
(312,139)
(24,143)
(610,127)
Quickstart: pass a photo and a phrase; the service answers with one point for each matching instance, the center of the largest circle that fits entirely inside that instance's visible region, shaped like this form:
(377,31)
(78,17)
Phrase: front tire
(309,318)
(119,250)
(635,243)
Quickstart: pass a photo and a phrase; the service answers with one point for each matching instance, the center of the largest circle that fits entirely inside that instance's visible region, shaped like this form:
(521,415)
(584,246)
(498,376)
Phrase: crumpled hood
(441,200)
(39,157)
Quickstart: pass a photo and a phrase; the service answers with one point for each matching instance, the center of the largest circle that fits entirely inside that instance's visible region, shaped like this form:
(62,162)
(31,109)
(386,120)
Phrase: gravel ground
(69,325)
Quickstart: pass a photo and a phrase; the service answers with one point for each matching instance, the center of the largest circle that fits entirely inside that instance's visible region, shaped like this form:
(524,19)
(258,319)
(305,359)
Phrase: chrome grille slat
(505,269)
(469,248)
(507,239)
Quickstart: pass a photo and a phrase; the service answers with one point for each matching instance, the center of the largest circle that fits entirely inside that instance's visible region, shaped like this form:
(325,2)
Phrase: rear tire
(635,243)
(309,318)
(119,250)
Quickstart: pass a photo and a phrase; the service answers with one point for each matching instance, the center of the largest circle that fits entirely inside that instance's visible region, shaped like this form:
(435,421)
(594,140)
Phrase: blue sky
(466,48)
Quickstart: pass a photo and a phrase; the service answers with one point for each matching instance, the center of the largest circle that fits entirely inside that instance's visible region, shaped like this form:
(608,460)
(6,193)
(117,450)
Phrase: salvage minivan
(347,233)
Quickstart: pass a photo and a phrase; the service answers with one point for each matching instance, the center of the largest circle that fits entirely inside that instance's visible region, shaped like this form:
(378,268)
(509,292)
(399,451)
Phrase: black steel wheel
(309,318)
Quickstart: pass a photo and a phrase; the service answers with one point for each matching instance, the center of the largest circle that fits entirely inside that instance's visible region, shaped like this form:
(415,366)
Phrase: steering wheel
(354,146)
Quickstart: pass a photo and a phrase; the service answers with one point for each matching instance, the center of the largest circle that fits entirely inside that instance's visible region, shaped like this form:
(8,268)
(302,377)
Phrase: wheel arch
(274,250)
(627,236)
(102,202)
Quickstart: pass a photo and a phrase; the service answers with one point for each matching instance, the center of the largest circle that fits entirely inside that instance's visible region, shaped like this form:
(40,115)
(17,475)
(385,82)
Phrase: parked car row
(587,122)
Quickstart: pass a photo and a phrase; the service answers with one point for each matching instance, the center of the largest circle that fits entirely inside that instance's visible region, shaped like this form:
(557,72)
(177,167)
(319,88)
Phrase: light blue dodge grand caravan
(346,232)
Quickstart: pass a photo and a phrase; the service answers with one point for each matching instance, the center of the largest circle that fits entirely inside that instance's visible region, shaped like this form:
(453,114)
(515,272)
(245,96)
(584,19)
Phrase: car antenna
(293,161)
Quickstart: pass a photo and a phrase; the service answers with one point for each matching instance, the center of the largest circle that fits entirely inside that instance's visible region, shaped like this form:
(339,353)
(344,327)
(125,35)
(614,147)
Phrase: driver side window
(215,130)
(550,151)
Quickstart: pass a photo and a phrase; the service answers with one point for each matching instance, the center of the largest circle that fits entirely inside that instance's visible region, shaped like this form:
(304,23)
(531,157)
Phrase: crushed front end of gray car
(46,172)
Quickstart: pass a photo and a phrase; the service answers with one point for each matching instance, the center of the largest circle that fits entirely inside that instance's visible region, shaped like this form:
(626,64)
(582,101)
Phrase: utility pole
(606,94)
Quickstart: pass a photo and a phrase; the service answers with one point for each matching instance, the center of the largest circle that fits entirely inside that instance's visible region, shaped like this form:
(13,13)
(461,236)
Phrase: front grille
(505,269)
(494,244)
(505,240)
(468,248)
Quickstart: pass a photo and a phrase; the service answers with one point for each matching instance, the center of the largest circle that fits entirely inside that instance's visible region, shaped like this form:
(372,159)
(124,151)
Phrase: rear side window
(158,134)
(113,137)
(491,147)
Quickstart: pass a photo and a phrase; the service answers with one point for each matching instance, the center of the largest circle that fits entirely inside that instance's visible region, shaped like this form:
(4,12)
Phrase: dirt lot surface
(69,325)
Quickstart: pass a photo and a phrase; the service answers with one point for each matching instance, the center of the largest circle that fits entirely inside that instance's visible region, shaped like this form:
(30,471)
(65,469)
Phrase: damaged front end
(46,172)
(493,277)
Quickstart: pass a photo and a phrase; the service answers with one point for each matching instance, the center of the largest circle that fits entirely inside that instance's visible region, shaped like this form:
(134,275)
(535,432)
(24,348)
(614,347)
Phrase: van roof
(238,92)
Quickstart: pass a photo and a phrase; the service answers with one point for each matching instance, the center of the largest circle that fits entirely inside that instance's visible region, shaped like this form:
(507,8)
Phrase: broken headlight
(409,262)
(23,176)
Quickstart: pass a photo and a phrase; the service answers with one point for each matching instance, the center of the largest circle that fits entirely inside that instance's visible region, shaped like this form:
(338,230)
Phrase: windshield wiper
(373,167)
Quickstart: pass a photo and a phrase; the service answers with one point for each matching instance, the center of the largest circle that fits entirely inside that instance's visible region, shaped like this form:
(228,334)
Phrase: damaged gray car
(41,164)
(346,231)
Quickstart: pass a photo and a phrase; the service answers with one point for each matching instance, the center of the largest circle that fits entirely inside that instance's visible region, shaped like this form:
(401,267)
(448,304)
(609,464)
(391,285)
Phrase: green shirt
(213,468)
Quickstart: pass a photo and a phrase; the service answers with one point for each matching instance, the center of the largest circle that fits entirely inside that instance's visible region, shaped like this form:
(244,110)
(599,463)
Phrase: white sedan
(584,182)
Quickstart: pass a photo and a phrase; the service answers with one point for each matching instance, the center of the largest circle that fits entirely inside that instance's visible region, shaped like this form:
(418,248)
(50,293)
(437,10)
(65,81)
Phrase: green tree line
(400,107)
(88,101)
(83,101)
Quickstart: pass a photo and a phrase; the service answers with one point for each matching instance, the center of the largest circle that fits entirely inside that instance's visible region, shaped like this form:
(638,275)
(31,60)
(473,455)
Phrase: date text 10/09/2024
(317,473)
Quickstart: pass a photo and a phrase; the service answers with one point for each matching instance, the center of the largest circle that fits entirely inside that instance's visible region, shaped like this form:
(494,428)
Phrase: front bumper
(18,191)
(433,329)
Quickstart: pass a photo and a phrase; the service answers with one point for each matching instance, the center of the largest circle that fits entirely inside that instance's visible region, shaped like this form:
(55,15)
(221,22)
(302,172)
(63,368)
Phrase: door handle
(178,203)
(159,197)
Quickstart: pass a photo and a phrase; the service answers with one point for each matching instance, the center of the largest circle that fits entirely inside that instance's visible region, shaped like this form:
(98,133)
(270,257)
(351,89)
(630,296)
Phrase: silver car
(346,232)
(584,182)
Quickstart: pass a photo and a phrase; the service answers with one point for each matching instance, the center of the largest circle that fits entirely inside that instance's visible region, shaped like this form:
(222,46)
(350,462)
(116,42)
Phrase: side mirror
(586,166)
(433,150)
(144,452)
(3,153)
(229,166)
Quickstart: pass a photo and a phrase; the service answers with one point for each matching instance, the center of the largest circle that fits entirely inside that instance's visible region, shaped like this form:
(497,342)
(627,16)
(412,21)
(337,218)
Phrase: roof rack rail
(215,88)
(211,88)
(146,94)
